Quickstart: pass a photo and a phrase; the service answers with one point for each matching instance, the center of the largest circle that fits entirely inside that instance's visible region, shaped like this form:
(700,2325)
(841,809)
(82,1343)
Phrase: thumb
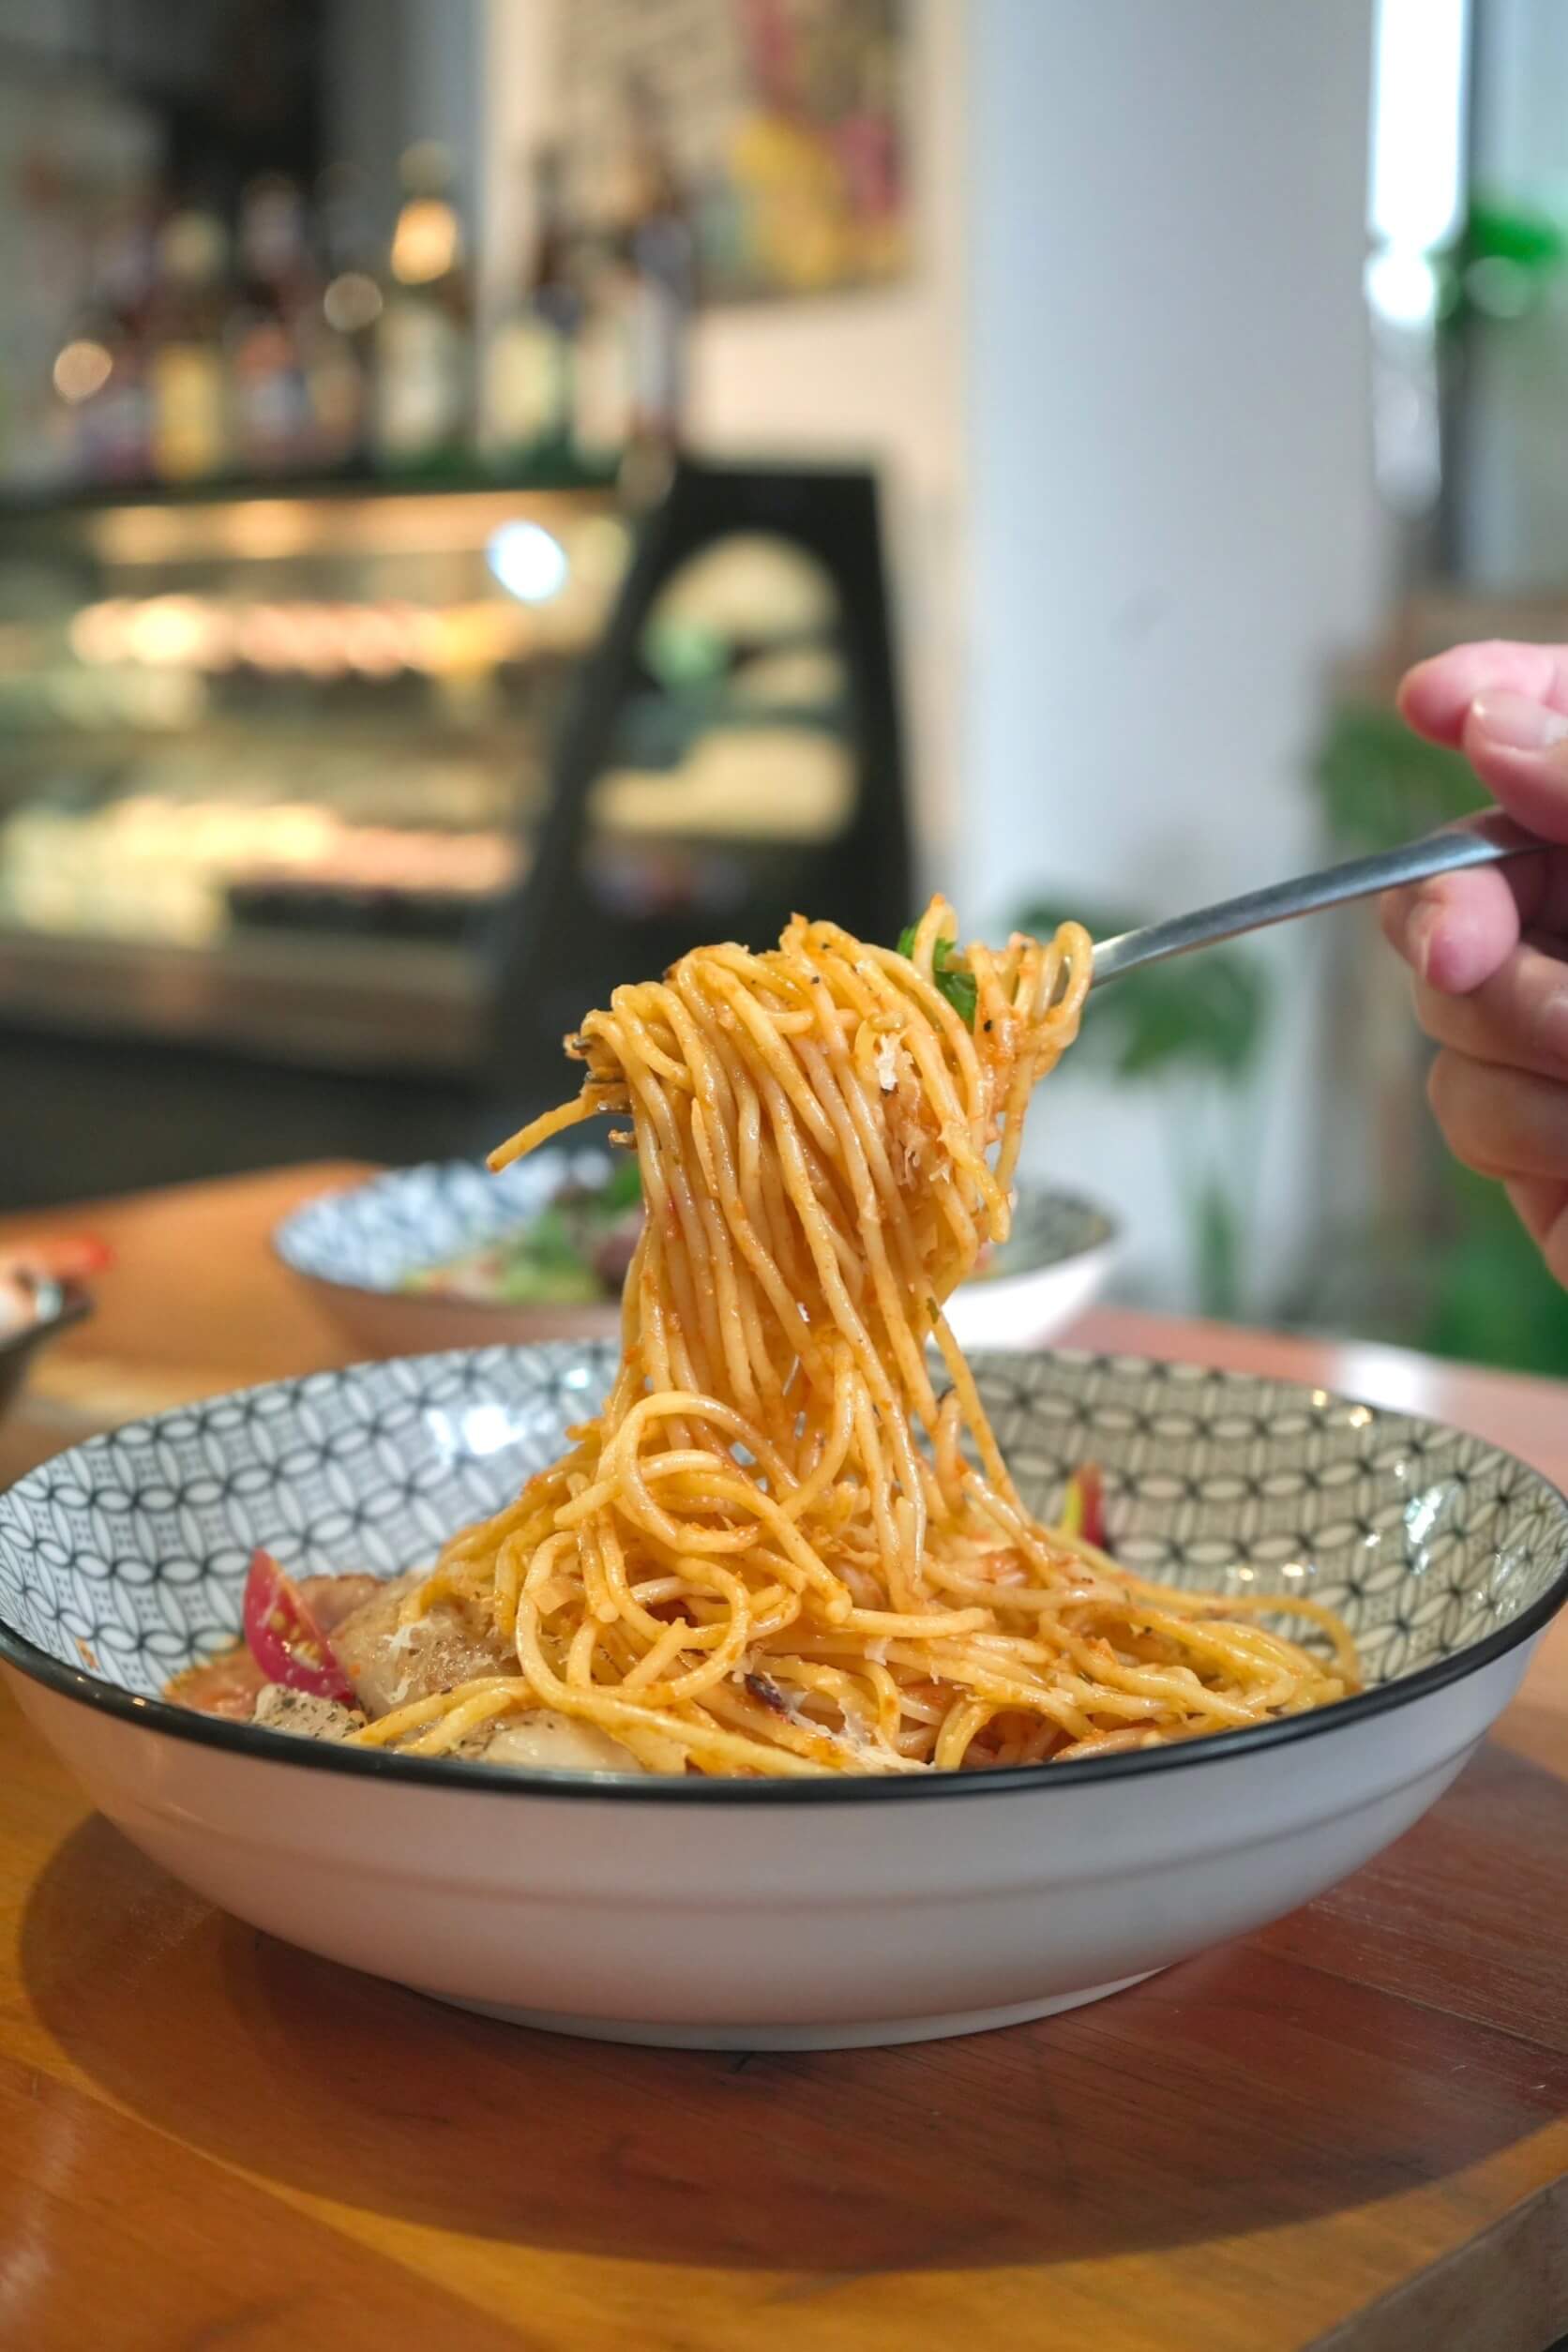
(1519,749)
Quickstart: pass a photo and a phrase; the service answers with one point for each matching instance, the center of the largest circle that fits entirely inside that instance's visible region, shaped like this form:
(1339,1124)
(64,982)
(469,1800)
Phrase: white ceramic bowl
(761,1913)
(357,1248)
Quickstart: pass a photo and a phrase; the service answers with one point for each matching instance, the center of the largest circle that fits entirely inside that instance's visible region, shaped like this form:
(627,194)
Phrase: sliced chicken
(545,1742)
(390,1663)
(300,1711)
(331,1599)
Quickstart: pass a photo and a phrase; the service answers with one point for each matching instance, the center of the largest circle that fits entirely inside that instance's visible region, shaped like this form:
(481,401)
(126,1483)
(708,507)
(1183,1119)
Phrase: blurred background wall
(1172,521)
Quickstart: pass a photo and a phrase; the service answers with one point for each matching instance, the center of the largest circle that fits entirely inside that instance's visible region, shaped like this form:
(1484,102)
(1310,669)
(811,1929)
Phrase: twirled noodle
(772,1552)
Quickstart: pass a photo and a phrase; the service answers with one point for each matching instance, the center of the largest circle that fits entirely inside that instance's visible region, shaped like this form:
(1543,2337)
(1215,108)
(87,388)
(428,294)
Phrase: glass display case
(268,764)
(392,784)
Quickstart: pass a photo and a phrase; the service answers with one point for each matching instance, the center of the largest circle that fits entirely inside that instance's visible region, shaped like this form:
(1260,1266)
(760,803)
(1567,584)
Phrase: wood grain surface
(1350,2131)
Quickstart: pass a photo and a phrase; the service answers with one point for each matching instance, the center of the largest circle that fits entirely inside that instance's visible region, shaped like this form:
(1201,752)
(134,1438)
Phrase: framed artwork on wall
(784,122)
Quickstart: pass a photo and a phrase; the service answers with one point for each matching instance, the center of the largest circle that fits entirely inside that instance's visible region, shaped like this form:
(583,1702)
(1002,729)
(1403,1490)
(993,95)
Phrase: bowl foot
(865,2034)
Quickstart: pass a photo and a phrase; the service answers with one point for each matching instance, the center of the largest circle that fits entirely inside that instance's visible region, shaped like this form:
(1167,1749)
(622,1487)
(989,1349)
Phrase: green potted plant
(1191,1031)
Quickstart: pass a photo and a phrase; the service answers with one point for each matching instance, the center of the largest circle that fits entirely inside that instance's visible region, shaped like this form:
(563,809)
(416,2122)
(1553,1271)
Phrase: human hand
(30,1277)
(1489,946)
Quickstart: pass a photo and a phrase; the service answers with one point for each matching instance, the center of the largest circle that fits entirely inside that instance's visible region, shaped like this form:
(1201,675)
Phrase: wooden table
(1350,2131)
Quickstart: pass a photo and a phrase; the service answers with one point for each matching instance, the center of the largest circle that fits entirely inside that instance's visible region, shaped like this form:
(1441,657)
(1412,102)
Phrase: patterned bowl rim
(277,1747)
(1100,1230)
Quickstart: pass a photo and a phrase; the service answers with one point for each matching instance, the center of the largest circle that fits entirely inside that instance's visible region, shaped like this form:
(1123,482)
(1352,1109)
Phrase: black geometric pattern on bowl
(127,1553)
(374,1236)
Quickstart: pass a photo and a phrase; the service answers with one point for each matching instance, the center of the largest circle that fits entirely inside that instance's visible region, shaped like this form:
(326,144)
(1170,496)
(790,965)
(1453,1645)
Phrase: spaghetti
(778,1549)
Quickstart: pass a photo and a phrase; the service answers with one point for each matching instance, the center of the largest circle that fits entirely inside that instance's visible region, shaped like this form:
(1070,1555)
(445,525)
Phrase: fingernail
(1516,723)
(1419,933)
(1553,1029)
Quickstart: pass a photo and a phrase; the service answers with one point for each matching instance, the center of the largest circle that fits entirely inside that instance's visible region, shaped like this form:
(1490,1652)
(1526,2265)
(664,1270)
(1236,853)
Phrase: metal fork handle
(1487,842)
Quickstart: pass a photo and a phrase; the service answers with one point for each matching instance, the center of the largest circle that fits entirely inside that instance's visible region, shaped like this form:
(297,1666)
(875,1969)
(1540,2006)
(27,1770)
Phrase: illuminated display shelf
(266,749)
(261,521)
(341,488)
(395,780)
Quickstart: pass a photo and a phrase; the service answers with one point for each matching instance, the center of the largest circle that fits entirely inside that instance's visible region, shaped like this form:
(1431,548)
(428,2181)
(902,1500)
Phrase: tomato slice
(284,1638)
(1083,1509)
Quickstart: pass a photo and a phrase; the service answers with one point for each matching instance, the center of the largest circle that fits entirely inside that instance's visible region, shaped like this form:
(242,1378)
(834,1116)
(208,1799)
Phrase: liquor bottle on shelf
(632,359)
(121,446)
(528,367)
(603,364)
(424,390)
(340,332)
(268,399)
(189,426)
(100,372)
(662,249)
(43,241)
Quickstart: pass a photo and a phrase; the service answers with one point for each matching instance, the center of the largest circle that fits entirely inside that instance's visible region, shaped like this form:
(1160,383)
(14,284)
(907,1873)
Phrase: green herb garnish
(950,973)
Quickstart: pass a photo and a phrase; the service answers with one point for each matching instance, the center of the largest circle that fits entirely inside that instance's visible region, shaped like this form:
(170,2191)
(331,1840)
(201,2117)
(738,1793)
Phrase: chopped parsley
(950,973)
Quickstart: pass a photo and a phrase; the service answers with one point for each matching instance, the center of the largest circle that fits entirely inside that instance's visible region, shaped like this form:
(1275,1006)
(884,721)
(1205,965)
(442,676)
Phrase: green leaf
(1502,231)
(949,972)
(956,981)
(1378,784)
(1490,1300)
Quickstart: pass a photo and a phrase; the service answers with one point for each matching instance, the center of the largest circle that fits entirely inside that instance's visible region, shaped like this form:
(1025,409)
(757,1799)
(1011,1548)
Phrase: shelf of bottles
(296,570)
(283,343)
(296,560)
